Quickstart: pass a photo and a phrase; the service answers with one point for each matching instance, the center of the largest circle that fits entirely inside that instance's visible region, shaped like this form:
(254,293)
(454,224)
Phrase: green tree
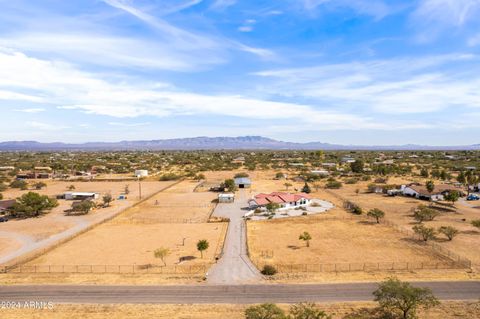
(307,311)
(430,185)
(401,298)
(287,185)
(229,184)
(107,199)
(306,189)
(423,213)
(39,185)
(424,173)
(19,183)
(376,213)
(33,205)
(202,245)
(83,208)
(269,270)
(272,207)
(448,231)
(279,175)
(452,196)
(426,233)
(357,166)
(306,237)
(162,253)
(265,311)
(461,178)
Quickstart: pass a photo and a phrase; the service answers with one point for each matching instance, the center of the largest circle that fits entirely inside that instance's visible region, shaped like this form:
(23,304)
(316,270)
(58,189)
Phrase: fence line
(106,269)
(351,267)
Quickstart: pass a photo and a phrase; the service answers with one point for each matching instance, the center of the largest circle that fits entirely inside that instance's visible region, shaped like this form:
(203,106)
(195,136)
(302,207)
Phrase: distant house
(321,172)
(226,198)
(80,195)
(243,182)
(329,165)
(285,200)
(238,160)
(7,168)
(347,159)
(421,192)
(6,204)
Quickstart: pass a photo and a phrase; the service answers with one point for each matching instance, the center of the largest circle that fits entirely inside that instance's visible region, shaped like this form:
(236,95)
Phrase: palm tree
(202,245)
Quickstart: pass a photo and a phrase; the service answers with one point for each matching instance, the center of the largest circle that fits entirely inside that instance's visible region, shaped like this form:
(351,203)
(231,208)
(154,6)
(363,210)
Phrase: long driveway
(231,294)
(234,267)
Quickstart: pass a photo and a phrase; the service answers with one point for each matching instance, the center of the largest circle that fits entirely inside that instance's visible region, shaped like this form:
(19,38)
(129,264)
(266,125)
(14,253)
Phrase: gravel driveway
(234,267)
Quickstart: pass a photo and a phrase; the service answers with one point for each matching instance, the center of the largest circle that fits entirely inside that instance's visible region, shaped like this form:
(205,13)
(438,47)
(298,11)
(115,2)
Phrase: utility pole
(139,188)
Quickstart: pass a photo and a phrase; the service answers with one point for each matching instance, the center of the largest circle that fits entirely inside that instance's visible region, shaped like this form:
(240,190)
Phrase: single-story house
(226,198)
(141,173)
(80,195)
(347,160)
(421,192)
(243,182)
(285,200)
(238,160)
(7,168)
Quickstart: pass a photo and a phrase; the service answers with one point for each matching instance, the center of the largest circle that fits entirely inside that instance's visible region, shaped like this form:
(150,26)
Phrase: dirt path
(234,267)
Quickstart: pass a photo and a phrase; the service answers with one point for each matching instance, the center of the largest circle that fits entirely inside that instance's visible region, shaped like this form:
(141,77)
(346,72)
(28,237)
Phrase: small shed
(141,173)
(243,182)
(226,198)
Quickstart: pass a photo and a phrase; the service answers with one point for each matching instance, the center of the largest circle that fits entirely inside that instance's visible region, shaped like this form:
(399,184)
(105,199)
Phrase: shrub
(333,185)
(265,311)
(269,270)
(239,175)
(19,183)
(169,177)
(351,181)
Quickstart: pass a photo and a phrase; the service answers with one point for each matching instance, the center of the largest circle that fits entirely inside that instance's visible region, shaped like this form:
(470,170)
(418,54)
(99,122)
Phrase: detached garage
(243,182)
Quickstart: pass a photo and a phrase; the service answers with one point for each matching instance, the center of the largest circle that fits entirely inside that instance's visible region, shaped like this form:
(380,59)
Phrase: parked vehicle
(473,197)
(3,219)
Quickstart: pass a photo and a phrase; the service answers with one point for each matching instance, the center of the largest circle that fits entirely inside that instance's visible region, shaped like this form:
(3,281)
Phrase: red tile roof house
(285,200)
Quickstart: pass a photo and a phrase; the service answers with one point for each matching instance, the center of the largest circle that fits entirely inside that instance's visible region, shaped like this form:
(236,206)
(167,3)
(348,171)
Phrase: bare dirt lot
(447,310)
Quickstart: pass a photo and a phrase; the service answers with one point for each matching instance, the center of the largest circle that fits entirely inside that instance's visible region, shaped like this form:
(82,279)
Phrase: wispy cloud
(397,86)
(46,126)
(247,26)
(222,4)
(31,110)
(432,17)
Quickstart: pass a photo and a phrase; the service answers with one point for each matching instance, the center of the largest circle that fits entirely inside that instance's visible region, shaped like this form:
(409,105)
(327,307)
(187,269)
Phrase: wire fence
(106,269)
(364,267)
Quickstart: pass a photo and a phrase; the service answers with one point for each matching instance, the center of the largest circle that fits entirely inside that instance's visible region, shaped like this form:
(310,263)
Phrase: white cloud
(62,85)
(128,124)
(398,86)
(31,110)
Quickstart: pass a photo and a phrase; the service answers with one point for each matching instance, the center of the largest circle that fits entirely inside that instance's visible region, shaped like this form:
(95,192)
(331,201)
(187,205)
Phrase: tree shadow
(294,247)
(186,258)
(470,232)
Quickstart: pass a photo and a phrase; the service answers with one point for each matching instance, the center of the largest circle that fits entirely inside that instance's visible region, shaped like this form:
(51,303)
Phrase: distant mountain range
(212,143)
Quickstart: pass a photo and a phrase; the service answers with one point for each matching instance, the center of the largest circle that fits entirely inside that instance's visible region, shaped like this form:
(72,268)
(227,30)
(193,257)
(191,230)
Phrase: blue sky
(339,71)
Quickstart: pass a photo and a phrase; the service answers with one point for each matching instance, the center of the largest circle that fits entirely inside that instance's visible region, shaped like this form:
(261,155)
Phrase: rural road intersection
(218,294)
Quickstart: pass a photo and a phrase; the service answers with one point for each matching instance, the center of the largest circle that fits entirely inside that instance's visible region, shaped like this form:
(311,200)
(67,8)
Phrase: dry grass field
(177,204)
(33,233)
(446,310)
(127,243)
(134,244)
(398,210)
(333,241)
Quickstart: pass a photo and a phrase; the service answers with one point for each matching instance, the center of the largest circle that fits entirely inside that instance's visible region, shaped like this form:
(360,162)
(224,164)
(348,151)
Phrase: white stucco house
(285,200)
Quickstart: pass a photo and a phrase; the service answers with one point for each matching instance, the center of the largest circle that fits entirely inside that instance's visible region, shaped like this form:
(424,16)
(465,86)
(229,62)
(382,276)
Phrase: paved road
(234,267)
(232,294)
